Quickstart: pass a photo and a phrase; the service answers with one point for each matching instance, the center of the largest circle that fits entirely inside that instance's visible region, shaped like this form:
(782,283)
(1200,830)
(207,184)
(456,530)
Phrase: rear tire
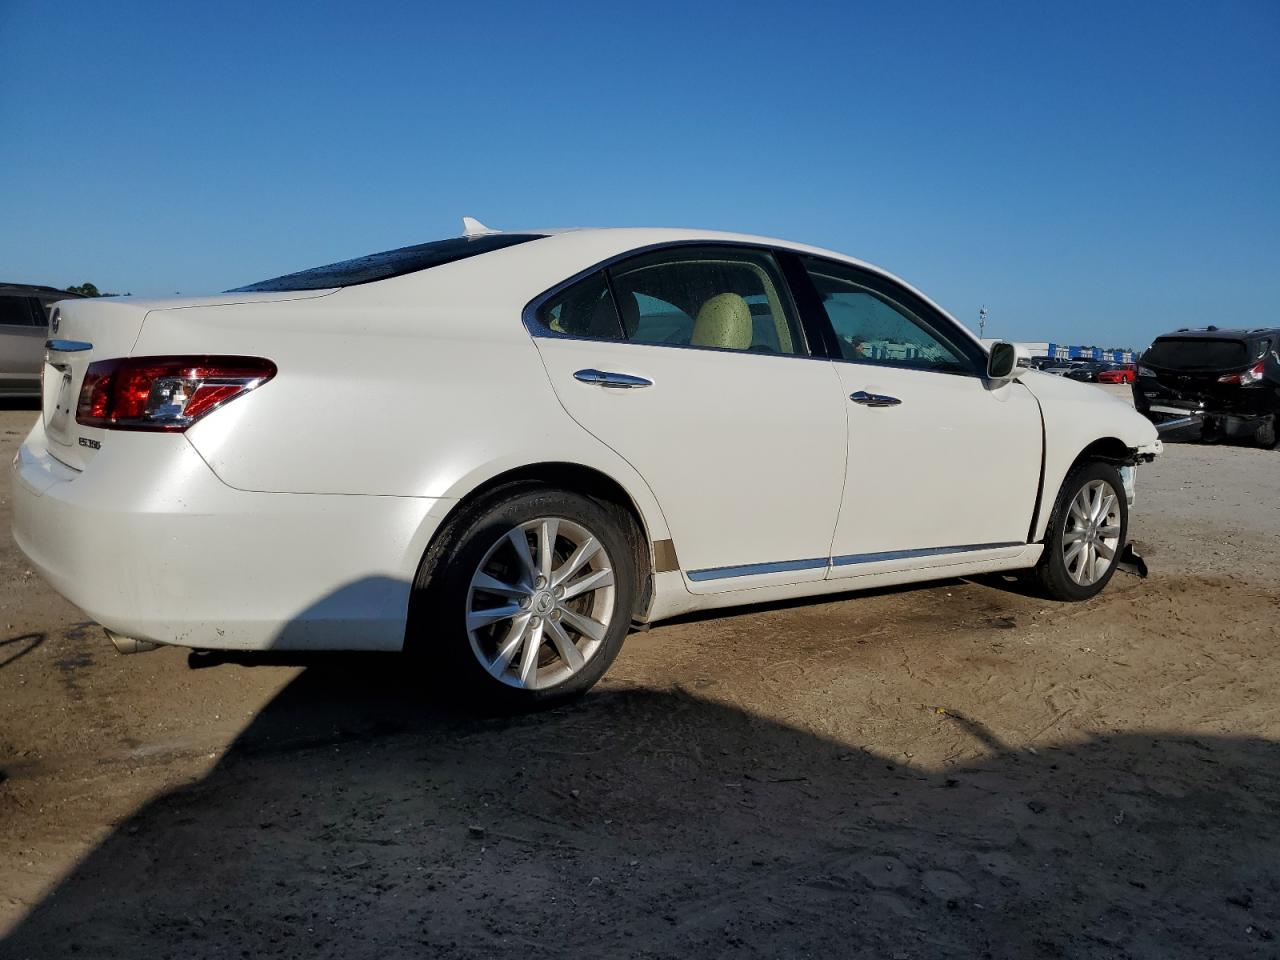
(527,596)
(1265,436)
(1090,520)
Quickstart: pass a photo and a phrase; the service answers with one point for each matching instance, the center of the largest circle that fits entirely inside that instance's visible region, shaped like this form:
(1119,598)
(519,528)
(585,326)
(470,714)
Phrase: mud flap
(1131,561)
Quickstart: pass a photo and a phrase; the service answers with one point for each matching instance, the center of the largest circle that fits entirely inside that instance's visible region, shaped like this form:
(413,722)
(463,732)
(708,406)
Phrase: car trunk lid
(104,329)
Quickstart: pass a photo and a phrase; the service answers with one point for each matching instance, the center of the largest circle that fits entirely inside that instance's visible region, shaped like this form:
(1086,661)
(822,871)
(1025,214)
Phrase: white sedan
(504,450)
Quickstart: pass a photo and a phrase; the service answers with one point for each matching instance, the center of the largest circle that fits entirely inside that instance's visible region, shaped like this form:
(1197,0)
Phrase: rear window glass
(391,263)
(1190,353)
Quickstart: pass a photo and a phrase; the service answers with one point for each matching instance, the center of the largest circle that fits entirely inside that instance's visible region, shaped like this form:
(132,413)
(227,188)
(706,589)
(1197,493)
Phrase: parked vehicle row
(502,450)
(1087,371)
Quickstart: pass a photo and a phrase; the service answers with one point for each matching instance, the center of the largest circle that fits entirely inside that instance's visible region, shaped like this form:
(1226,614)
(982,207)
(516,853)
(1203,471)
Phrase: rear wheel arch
(569,477)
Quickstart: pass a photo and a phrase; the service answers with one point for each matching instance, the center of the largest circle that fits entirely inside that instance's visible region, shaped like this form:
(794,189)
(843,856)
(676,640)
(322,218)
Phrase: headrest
(724,321)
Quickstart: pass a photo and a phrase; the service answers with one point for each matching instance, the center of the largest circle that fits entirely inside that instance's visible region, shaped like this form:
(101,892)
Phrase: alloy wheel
(1091,534)
(540,603)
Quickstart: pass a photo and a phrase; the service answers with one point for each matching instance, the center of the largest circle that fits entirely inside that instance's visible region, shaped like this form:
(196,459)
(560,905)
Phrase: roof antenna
(471,227)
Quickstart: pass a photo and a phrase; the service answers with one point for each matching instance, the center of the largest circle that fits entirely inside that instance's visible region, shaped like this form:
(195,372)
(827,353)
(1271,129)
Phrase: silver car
(24,327)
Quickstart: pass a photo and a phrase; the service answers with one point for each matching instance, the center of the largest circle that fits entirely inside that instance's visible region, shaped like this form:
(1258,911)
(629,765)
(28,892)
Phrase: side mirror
(1002,362)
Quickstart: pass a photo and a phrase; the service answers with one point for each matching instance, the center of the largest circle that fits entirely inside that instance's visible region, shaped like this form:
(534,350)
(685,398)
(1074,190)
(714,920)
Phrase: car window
(724,298)
(21,312)
(871,327)
(583,310)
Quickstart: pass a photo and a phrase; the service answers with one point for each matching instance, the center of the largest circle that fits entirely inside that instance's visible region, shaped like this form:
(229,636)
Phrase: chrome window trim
(537,328)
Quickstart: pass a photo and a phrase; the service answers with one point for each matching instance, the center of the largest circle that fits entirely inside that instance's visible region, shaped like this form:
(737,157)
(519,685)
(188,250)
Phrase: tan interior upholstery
(724,321)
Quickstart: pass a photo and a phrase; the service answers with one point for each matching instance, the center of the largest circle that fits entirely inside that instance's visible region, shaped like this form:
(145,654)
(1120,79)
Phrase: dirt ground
(958,770)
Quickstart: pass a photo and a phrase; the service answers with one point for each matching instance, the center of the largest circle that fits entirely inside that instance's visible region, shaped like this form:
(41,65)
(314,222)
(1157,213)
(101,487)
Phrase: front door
(942,467)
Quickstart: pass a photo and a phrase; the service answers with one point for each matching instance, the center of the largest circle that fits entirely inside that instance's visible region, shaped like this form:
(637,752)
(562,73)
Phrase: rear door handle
(873,399)
(618,381)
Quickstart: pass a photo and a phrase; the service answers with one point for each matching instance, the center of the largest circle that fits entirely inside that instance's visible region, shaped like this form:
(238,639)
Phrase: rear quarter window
(389,263)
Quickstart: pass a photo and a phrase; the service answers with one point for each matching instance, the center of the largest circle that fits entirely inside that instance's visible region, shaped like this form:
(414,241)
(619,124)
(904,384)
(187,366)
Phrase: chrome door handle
(873,399)
(618,381)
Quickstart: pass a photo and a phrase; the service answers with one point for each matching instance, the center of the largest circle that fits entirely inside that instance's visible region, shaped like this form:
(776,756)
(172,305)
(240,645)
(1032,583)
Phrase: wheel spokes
(584,625)
(1079,508)
(529,660)
(483,618)
(511,644)
(592,581)
(520,542)
(547,531)
(577,560)
(567,649)
(490,584)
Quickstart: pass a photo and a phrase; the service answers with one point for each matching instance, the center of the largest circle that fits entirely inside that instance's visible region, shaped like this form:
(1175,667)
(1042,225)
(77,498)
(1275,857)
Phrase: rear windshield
(392,263)
(1189,353)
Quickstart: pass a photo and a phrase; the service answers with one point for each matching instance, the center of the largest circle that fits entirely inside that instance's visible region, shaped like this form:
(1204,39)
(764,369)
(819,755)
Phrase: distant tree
(87,289)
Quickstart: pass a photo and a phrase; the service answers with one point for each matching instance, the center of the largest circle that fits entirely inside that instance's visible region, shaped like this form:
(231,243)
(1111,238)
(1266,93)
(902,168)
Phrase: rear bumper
(1241,416)
(153,546)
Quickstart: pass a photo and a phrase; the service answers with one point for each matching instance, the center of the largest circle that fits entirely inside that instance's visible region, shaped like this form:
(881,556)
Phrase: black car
(1086,372)
(1226,383)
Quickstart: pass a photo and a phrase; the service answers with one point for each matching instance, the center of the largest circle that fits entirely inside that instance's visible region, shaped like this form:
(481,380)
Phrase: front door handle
(618,381)
(873,399)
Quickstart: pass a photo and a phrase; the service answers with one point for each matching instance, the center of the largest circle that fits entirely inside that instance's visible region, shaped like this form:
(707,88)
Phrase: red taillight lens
(164,393)
(1252,375)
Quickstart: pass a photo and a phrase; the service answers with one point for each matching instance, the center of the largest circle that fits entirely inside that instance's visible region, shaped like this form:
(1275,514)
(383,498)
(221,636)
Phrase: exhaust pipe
(128,644)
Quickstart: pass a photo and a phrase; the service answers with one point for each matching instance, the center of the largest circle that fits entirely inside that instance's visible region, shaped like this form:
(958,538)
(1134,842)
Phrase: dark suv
(1226,382)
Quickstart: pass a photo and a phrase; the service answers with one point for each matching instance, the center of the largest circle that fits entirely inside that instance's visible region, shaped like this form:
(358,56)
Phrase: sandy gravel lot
(957,770)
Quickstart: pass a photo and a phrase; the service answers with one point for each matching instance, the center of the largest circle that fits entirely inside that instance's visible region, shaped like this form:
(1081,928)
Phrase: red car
(1119,373)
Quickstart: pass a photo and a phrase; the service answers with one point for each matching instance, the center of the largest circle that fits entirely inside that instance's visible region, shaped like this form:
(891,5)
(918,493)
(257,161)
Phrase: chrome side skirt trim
(755,569)
(784,566)
(851,558)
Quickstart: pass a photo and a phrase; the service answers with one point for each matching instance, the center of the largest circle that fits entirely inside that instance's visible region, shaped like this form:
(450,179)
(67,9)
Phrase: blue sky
(1092,172)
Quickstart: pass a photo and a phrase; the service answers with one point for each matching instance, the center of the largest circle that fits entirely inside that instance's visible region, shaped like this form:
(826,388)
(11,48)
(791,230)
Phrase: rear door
(23,329)
(941,465)
(690,363)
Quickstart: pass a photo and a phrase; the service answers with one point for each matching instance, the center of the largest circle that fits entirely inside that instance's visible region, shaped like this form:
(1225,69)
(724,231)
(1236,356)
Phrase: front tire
(528,595)
(1087,532)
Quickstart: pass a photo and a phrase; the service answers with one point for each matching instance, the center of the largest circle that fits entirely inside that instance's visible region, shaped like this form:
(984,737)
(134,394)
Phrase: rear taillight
(1145,372)
(1252,375)
(164,393)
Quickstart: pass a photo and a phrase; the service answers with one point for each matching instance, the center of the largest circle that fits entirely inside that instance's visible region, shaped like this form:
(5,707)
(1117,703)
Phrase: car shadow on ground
(356,817)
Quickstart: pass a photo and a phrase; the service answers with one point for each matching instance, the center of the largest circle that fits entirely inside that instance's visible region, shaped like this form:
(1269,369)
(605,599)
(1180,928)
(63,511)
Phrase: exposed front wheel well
(1108,450)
